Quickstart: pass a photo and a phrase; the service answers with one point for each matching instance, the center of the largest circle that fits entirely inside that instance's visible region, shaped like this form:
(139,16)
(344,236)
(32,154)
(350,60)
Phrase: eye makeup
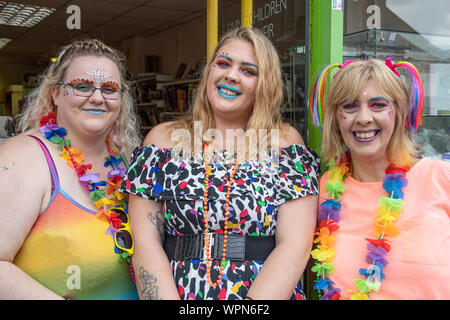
(375,103)
(347,106)
(248,66)
(379,99)
(224,60)
(111,84)
(224,56)
(81,80)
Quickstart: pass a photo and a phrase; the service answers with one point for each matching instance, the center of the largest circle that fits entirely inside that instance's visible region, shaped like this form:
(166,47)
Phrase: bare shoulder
(22,157)
(24,181)
(19,147)
(289,136)
(160,135)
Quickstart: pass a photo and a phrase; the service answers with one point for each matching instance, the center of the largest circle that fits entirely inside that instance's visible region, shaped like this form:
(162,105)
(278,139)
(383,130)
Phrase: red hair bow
(391,66)
(346,63)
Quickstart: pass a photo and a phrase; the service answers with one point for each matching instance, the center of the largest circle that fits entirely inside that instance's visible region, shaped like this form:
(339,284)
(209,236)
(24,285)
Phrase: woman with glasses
(223,202)
(64,231)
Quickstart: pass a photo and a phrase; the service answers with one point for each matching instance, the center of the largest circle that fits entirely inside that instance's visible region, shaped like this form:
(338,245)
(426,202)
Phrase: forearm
(154,278)
(280,273)
(15,284)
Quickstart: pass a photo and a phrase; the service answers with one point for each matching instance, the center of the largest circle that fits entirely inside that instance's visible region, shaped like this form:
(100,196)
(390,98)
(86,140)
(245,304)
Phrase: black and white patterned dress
(258,189)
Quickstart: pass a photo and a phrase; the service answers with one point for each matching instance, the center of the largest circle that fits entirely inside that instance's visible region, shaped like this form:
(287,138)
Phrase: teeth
(365,135)
(228,92)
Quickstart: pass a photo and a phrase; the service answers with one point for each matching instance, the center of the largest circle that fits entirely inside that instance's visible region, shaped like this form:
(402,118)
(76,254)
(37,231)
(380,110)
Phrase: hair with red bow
(416,92)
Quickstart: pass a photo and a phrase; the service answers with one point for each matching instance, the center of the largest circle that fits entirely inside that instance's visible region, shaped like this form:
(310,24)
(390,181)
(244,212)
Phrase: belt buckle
(206,254)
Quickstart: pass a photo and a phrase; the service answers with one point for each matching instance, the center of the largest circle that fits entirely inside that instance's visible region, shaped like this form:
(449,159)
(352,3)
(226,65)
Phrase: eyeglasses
(123,238)
(88,89)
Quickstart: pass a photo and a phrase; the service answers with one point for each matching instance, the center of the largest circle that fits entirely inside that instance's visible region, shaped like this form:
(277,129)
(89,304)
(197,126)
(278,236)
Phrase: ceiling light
(20,15)
(4,42)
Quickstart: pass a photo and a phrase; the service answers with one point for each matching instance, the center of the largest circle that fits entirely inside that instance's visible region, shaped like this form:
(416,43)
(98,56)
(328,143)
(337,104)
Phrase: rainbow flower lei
(75,159)
(388,211)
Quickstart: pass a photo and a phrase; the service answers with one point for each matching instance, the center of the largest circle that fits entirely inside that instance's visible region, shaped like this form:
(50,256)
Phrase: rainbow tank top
(69,252)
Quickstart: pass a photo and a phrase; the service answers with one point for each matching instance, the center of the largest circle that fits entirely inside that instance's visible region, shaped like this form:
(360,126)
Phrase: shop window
(414,31)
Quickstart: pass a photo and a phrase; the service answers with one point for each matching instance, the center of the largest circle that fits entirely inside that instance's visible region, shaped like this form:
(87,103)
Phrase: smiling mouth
(365,136)
(228,92)
(94,111)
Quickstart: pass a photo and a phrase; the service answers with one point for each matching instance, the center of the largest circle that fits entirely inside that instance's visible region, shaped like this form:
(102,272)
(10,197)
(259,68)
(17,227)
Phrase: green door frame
(325,28)
(325,38)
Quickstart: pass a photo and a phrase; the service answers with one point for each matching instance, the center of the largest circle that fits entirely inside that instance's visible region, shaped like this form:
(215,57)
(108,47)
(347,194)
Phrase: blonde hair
(348,84)
(269,91)
(124,134)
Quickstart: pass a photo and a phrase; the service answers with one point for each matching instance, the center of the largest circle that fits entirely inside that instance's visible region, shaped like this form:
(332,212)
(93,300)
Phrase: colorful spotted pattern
(258,190)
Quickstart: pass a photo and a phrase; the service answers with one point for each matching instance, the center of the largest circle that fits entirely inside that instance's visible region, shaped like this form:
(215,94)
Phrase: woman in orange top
(384,228)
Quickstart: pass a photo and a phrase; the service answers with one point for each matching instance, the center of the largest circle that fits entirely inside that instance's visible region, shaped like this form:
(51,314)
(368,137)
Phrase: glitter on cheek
(341,115)
(390,112)
(67,91)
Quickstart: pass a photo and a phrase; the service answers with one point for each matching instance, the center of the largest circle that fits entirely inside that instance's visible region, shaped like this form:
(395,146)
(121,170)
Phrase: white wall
(185,43)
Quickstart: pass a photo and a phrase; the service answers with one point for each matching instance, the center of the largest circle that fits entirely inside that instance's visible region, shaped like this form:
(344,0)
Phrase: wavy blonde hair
(124,133)
(269,91)
(348,84)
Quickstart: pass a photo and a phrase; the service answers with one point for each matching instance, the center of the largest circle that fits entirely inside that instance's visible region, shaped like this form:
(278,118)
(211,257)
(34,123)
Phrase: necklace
(389,209)
(110,208)
(225,231)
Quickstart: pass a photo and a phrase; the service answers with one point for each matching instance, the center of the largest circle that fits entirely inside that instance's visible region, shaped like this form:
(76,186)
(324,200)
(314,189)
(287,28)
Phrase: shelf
(174,113)
(156,104)
(153,76)
(163,84)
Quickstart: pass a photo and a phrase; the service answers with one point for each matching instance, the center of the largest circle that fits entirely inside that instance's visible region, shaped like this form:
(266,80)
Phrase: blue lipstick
(226,96)
(94,111)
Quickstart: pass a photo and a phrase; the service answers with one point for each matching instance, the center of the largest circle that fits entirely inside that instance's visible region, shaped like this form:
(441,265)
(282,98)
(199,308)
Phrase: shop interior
(164,41)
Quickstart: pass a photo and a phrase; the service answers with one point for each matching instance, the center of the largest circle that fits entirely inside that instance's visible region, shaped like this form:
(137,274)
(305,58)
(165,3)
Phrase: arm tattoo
(148,281)
(157,220)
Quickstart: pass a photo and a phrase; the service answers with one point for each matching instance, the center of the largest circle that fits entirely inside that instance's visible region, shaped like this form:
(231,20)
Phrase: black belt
(239,248)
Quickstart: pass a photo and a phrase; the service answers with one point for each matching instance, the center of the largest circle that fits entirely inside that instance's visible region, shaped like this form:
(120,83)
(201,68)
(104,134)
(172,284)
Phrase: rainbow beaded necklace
(389,209)
(75,159)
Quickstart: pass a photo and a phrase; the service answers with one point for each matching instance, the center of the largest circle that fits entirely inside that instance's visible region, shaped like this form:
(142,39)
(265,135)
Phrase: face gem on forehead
(98,75)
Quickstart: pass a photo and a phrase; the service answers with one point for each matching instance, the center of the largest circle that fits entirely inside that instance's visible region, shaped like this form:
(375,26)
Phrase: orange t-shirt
(419,260)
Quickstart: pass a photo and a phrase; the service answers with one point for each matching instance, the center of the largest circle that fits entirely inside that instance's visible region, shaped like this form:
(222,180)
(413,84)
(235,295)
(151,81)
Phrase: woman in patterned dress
(261,195)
